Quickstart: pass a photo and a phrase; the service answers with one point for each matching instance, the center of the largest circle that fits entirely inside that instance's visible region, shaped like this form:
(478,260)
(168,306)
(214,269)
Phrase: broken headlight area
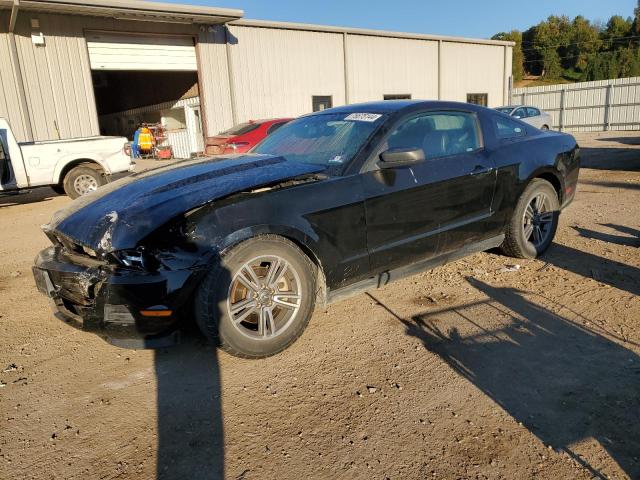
(136,259)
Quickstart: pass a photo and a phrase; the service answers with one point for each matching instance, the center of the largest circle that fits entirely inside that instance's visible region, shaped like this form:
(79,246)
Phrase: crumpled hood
(120,214)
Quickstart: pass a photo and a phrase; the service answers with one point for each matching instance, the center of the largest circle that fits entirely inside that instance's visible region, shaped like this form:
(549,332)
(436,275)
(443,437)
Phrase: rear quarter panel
(539,154)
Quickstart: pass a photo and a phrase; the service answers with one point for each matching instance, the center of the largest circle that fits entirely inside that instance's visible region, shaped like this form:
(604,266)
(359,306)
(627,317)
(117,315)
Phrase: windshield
(241,129)
(326,139)
(506,110)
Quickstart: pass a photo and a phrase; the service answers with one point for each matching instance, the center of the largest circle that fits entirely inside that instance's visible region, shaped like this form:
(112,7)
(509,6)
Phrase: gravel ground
(485,368)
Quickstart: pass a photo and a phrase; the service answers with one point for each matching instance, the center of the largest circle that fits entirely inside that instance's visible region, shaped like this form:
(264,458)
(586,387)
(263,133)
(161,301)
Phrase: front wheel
(534,221)
(544,128)
(259,298)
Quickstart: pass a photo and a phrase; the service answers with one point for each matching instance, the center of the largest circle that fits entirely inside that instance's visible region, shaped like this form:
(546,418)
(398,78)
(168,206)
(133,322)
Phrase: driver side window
(438,134)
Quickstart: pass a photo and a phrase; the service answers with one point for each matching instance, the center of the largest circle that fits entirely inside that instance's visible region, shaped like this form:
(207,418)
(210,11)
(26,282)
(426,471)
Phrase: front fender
(306,240)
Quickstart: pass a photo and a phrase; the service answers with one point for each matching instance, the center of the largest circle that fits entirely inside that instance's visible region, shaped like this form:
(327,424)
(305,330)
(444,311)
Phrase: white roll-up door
(111,51)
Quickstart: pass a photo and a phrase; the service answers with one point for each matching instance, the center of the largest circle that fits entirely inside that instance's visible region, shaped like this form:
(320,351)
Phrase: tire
(544,128)
(82,179)
(59,189)
(221,296)
(522,237)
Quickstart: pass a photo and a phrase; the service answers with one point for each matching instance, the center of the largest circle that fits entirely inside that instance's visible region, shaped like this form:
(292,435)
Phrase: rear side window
(532,112)
(241,129)
(438,134)
(478,98)
(274,127)
(507,128)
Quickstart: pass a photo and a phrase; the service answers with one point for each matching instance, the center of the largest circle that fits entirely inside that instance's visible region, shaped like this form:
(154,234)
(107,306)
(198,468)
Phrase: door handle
(479,169)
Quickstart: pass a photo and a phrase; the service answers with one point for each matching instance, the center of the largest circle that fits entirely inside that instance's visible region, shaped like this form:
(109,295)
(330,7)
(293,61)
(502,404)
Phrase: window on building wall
(397,96)
(478,98)
(174,119)
(321,102)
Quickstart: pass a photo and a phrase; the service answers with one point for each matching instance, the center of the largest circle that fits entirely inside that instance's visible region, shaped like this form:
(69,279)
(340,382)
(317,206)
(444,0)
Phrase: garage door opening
(148,81)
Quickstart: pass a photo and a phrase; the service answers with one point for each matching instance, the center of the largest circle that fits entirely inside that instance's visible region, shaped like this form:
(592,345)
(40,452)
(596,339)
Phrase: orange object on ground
(164,152)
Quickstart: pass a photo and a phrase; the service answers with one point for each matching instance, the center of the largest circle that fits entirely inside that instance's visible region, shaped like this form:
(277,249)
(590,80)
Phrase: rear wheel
(534,221)
(260,297)
(82,179)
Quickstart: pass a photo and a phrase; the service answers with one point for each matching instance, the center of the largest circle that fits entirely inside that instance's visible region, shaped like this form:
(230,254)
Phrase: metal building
(70,68)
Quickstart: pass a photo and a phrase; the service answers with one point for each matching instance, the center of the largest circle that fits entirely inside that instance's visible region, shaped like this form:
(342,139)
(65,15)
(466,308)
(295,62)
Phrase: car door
(410,209)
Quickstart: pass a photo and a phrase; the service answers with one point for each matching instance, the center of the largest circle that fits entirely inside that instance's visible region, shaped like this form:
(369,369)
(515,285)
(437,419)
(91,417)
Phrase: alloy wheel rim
(264,297)
(537,220)
(85,184)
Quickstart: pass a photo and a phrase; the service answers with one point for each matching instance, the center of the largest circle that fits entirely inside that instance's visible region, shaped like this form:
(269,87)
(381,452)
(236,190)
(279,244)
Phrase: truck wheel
(82,179)
(259,298)
(534,221)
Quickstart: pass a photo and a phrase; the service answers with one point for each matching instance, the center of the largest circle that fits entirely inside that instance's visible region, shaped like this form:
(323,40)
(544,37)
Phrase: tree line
(577,49)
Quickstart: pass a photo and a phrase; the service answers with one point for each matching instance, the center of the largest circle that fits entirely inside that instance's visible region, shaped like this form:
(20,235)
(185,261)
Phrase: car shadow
(190,424)
(623,140)
(633,241)
(10,199)
(567,384)
(612,184)
(612,157)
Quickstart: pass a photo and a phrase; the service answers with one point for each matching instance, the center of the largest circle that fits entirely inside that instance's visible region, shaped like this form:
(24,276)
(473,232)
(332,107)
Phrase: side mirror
(517,116)
(400,157)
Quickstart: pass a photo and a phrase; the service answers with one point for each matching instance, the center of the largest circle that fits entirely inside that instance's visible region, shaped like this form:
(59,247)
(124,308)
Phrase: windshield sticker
(336,159)
(363,117)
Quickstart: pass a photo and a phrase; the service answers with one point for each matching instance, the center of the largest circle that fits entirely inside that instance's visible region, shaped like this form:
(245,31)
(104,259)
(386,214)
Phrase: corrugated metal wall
(471,68)
(587,106)
(10,104)
(215,94)
(276,72)
(57,78)
(380,65)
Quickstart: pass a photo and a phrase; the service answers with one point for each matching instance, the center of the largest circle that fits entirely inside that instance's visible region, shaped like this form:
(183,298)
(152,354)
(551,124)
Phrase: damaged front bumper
(114,302)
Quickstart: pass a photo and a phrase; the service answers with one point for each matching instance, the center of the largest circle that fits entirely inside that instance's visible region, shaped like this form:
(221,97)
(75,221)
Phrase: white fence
(587,106)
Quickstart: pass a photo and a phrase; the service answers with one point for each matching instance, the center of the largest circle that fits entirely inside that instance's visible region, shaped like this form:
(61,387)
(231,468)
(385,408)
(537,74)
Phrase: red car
(243,137)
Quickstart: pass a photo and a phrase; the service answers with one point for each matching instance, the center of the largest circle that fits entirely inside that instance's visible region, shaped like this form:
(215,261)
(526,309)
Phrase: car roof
(392,106)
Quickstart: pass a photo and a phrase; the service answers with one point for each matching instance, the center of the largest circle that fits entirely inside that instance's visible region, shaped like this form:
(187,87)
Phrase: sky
(466,18)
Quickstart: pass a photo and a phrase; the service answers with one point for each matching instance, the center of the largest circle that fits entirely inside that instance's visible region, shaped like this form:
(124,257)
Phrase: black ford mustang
(333,203)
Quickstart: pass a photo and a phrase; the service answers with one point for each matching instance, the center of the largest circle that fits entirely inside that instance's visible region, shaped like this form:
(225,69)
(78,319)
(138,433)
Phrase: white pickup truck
(74,167)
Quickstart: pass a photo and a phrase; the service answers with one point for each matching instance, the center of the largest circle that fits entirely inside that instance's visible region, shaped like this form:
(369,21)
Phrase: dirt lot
(479,369)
